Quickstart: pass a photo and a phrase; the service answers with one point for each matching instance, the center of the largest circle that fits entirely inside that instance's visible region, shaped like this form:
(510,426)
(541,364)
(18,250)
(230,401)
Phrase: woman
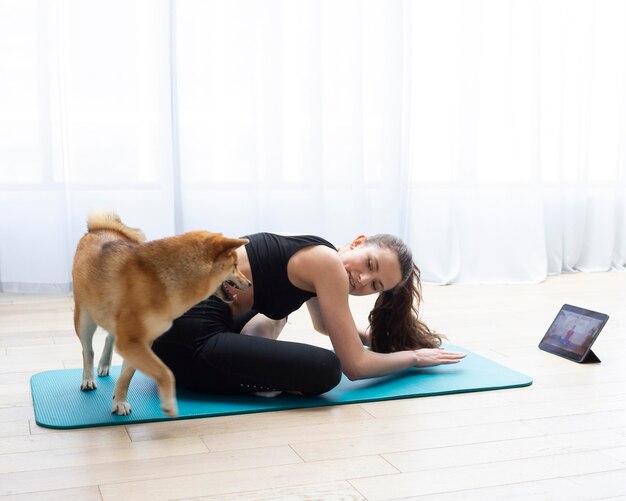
(208,350)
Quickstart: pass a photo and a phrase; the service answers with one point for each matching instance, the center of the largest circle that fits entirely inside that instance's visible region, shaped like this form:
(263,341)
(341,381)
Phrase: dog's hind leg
(107,353)
(85,328)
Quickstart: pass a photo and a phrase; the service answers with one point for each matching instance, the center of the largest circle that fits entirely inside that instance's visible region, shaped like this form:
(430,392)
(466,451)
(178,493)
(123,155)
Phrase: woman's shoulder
(316,259)
(312,262)
(315,265)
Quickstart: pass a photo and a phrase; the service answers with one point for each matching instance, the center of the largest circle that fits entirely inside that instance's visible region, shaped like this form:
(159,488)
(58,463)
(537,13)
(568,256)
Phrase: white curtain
(488,134)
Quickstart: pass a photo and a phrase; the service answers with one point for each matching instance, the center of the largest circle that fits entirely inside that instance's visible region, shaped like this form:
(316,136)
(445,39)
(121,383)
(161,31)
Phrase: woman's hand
(427,357)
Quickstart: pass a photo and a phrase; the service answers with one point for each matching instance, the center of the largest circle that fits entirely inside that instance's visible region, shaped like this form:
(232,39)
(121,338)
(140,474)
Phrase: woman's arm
(313,306)
(334,317)
(315,312)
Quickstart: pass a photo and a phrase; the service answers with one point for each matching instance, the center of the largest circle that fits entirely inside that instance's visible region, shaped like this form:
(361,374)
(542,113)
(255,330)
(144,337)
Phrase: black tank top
(274,295)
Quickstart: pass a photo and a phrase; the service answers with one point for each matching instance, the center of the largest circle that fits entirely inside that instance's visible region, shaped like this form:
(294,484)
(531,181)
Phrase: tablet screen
(573,331)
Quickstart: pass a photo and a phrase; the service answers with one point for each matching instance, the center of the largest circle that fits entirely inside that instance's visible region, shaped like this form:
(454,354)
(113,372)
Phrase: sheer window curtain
(488,134)
(85,122)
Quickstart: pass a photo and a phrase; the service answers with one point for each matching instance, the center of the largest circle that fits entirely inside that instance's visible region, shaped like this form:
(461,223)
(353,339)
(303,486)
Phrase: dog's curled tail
(109,220)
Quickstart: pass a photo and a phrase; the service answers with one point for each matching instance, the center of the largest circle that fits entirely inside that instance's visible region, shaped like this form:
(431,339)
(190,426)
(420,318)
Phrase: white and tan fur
(134,290)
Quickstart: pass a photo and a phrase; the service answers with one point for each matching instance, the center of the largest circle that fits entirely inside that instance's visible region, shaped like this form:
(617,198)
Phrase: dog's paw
(121,408)
(103,370)
(88,385)
(170,408)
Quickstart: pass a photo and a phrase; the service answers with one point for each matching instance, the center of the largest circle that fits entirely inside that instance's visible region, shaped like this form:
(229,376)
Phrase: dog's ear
(220,245)
(233,243)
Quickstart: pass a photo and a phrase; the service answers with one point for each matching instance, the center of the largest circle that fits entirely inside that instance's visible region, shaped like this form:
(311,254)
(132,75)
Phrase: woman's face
(371,269)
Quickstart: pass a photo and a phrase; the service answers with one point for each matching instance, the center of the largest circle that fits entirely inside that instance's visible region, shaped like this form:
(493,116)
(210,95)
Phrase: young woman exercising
(231,348)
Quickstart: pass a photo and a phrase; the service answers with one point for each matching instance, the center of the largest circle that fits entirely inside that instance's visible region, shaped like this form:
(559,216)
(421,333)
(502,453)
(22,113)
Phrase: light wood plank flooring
(564,437)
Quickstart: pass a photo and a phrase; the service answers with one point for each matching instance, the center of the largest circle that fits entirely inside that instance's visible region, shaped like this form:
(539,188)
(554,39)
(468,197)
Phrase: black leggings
(206,352)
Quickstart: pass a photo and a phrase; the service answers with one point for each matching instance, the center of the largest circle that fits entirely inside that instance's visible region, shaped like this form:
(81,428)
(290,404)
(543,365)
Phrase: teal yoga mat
(59,402)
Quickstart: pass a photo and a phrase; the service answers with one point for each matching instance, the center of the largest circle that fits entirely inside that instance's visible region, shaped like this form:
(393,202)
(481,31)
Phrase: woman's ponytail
(394,321)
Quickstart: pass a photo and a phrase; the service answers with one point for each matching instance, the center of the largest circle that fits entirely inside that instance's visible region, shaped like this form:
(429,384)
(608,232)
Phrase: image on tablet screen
(572,332)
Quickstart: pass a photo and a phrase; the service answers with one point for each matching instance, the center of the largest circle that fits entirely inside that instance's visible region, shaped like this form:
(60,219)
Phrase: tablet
(572,333)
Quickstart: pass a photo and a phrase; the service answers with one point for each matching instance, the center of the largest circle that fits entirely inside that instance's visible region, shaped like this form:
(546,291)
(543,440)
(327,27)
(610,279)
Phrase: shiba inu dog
(134,289)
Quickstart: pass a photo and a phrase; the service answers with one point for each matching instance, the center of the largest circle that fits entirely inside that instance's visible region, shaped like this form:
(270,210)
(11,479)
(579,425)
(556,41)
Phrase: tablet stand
(590,358)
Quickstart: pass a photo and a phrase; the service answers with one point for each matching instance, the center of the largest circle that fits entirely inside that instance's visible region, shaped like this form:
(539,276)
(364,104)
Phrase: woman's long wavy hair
(394,321)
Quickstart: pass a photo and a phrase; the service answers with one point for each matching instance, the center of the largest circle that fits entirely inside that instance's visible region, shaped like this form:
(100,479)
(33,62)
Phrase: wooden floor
(564,437)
